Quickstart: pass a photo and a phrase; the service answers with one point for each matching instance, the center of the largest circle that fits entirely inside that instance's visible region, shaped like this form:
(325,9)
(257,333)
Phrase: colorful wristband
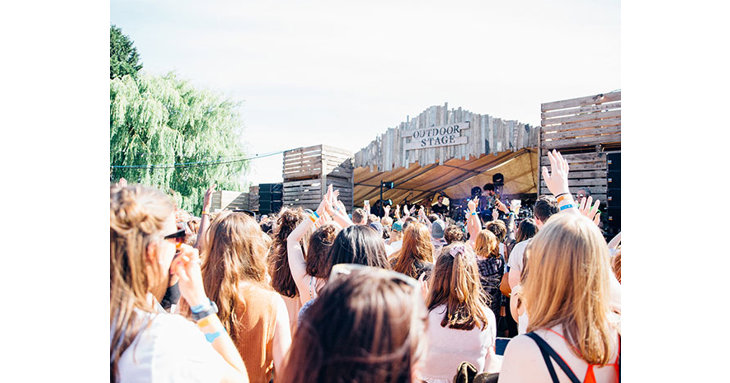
(568,206)
(210,337)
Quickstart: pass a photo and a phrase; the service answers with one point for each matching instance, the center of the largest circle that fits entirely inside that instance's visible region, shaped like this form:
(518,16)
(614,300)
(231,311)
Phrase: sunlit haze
(341,73)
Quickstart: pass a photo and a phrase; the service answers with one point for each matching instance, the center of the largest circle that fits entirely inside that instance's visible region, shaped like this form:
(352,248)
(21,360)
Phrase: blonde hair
(137,215)
(486,244)
(566,282)
(455,283)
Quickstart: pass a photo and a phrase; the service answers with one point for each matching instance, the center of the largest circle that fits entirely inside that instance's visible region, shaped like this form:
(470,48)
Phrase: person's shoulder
(522,350)
(169,331)
(521,246)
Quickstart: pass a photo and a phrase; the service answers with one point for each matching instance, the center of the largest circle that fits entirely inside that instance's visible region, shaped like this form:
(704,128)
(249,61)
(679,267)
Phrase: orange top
(590,375)
(254,335)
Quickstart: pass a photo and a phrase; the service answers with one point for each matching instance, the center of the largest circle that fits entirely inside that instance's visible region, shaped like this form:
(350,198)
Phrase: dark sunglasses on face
(177,237)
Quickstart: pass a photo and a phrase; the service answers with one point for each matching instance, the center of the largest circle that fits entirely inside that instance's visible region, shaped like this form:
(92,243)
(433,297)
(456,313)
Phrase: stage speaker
(271,188)
(613,215)
(613,197)
(613,192)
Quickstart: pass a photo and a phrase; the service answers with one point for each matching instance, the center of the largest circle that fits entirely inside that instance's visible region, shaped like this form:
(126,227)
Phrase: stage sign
(433,137)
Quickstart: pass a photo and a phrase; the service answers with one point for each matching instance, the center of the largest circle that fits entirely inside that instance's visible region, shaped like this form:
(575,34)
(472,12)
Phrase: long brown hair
(278,261)
(365,327)
(417,246)
(526,230)
(566,282)
(486,244)
(137,215)
(319,247)
(235,251)
(455,283)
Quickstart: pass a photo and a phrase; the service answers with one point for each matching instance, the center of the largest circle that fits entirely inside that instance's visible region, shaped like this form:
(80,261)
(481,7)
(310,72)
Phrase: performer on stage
(440,208)
(492,201)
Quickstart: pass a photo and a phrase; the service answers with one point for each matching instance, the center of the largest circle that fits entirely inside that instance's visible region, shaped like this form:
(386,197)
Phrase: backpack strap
(547,353)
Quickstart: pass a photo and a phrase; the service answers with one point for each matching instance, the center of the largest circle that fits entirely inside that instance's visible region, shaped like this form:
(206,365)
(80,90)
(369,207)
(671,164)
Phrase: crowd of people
(336,296)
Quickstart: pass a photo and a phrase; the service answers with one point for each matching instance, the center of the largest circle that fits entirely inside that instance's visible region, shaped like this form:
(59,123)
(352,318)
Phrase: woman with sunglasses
(461,327)
(146,343)
(234,274)
(366,326)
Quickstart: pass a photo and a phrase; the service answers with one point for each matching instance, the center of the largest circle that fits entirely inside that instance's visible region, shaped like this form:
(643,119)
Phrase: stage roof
(455,177)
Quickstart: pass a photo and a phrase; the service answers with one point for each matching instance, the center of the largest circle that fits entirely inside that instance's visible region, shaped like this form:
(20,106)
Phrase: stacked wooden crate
(307,173)
(587,171)
(253,198)
(229,200)
(587,132)
(583,129)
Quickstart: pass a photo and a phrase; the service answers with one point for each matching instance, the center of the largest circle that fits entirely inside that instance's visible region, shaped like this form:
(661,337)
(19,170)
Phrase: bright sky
(341,73)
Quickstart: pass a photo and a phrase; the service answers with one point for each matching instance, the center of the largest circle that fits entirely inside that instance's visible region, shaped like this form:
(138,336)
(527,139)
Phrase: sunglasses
(177,237)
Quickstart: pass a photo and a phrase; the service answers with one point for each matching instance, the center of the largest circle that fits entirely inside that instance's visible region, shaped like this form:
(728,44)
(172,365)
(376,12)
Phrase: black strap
(547,353)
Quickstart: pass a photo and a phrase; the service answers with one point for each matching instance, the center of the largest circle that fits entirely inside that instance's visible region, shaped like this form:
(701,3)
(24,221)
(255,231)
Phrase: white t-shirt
(171,349)
(516,257)
(448,347)
(394,246)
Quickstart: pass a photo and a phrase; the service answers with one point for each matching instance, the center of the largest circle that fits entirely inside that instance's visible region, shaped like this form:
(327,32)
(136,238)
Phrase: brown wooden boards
(308,171)
(581,122)
(425,139)
(587,171)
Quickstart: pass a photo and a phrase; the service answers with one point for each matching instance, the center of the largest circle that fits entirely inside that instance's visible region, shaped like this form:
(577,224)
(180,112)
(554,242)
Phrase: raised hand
(472,204)
(386,211)
(122,183)
(495,214)
(208,198)
(557,178)
(186,266)
(589,211)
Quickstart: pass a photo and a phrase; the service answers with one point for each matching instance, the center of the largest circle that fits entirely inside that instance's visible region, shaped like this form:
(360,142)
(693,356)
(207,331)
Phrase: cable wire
(194,164)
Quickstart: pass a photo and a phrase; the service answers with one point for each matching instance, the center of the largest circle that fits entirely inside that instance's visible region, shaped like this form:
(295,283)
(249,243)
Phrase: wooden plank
(581,117)
(587,174)
(579,142)
(578,157)
(582,125)
(587,182)
(599,193)
(582,109)
(581,101)
(583,132)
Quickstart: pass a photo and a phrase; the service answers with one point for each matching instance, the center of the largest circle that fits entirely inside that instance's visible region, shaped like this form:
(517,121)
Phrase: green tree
(164,120)
(123,56)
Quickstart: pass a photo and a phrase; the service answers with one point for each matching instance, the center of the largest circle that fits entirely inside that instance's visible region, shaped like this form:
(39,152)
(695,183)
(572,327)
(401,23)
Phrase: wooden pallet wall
(307,173)
(587,171)
(486,134)
(253,195)
(581,122)
(229,200)
(313,161)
